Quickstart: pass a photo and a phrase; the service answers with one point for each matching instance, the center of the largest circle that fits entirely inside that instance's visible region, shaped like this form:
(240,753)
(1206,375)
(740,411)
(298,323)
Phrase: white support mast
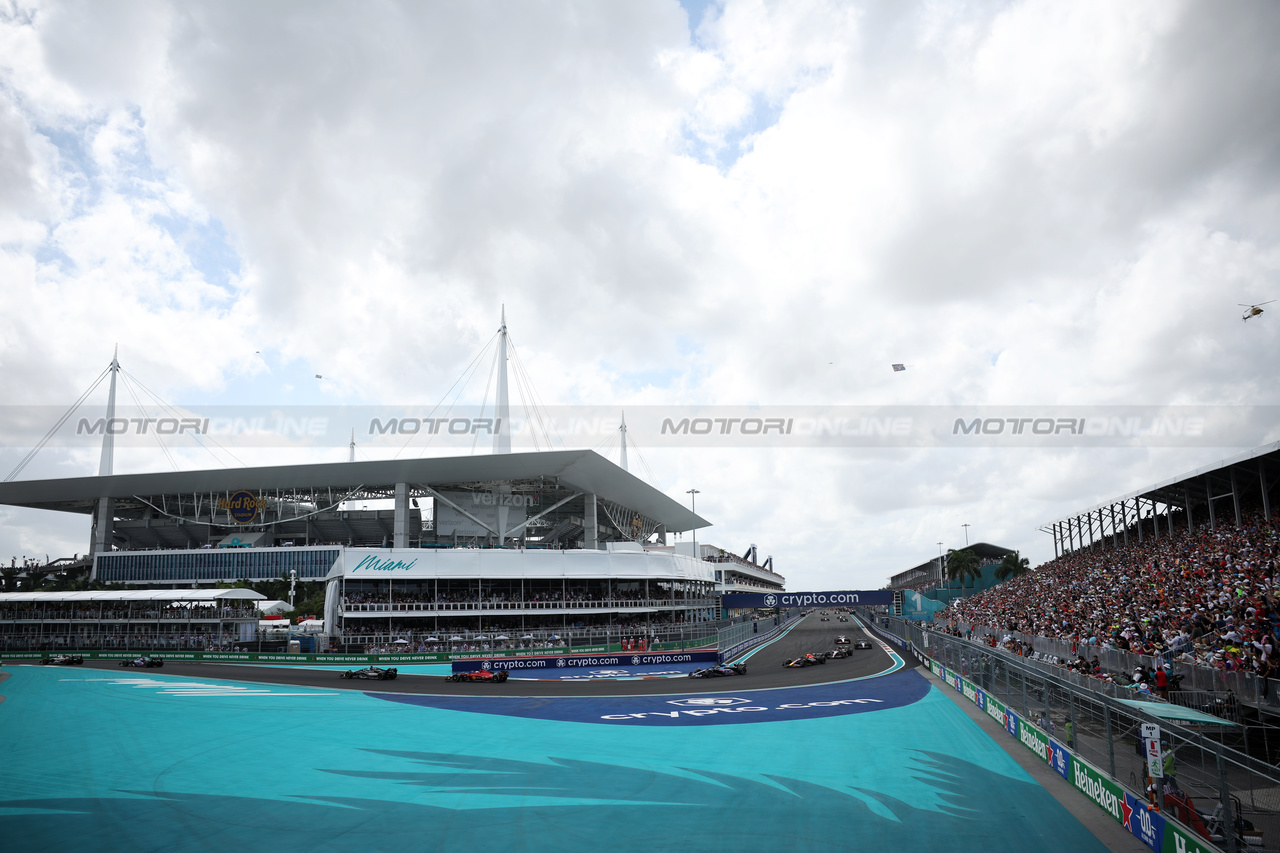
(502,411)
(108,437)
(352,456)
(101,538)
(623,431)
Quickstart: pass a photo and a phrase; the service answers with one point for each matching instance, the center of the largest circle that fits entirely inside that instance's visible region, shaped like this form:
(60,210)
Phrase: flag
(897,368)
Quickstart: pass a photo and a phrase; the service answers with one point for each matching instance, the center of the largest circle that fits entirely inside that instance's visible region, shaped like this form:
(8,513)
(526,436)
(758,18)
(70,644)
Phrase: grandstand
(470,545)
(520,545)
(127,619)
(1184,573)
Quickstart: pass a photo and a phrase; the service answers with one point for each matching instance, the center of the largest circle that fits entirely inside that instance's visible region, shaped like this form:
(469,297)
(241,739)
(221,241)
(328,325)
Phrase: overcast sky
(1028,203)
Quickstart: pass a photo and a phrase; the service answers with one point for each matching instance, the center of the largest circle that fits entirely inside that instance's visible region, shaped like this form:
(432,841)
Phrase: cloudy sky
(699,204)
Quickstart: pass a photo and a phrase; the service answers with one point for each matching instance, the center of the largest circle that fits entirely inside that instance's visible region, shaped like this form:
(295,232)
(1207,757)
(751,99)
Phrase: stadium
(500,551)
(547,575)
(556,568)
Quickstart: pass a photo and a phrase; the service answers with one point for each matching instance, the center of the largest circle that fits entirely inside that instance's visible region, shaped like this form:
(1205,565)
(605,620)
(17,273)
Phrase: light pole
(693,508)
(966,535)
(693,504)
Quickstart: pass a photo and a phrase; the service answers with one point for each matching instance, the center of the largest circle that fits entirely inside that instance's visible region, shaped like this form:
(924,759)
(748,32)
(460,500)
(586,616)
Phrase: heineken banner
(1179,840)
(1107,794)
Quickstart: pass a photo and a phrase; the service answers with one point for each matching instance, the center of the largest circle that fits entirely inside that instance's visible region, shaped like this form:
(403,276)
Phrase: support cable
(535,402)
(128,386)
(26,460)
(466,374)
(484,401)
(175,412)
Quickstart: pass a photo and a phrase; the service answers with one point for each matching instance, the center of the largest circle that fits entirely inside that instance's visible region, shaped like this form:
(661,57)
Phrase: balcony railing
(463,607)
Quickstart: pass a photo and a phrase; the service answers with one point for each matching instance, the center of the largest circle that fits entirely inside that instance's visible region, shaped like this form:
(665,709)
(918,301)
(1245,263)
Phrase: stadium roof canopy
(133,595)
(1250,476)
(313,502)
(583,469)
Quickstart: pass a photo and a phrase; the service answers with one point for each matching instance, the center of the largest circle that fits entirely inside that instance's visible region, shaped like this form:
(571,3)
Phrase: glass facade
(225,564)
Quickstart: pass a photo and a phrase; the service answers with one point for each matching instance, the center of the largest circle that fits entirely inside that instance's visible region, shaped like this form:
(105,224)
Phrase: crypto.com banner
(410,428)
(828,598)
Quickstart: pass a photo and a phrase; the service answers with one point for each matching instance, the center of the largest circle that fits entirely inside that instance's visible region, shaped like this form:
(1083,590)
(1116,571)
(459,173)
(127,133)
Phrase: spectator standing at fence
(1162,683)
(1168,764)
(1264,670)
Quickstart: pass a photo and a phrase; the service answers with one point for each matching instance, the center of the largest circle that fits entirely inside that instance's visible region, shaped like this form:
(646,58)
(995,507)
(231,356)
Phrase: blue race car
(720,670)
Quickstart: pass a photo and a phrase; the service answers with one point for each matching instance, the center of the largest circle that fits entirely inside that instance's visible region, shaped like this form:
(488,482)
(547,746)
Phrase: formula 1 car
(63,660)
(807,660)
(839,652)
(842,640)
(371,672)
(479,675)
(719,670)
(144,662)
(863,644)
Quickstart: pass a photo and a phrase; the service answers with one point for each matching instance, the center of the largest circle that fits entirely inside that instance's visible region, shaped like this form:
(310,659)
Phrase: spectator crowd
(1208,597)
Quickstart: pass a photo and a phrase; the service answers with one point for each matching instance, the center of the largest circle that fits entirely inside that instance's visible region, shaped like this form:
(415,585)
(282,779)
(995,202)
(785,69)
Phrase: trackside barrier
(1246,687)
(1159,832)
(1236,794)
(738,639)
(564,661)
(278,657)
(1151,827)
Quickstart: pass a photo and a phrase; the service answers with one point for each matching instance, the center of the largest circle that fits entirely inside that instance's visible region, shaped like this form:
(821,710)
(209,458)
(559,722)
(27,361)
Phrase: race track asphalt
(765,670)
(855,754)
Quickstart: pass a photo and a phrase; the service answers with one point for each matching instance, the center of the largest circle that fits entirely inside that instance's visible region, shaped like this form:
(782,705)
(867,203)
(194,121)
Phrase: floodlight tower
(693,509)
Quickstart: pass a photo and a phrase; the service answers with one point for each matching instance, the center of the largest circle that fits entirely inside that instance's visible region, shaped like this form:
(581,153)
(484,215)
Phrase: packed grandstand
(1205,596)
(1170,590)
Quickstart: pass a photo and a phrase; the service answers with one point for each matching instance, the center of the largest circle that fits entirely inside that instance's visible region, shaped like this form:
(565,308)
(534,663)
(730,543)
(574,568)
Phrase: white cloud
(1030,203)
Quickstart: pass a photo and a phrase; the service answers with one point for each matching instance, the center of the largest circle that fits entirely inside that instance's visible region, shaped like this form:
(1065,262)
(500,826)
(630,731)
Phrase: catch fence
(1222,784)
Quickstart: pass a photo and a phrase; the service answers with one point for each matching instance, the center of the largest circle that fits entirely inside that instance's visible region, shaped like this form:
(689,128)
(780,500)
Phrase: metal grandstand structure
(1177,502)
(549,498)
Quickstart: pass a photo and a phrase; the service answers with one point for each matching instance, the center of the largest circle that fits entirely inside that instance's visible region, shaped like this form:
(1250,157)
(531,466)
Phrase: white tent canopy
(135,595)
(274,608)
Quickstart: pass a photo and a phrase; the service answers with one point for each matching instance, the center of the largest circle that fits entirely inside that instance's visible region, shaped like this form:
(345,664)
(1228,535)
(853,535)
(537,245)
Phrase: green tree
(1013,565)
(962,564)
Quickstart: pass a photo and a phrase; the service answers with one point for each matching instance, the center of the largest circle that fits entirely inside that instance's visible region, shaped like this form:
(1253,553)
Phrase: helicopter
(1254,310)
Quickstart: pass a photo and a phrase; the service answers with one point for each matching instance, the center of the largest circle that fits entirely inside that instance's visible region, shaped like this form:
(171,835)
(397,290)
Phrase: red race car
(479,675)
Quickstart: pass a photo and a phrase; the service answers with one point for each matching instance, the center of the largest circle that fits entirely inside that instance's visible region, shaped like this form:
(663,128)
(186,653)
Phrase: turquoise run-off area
(97,760)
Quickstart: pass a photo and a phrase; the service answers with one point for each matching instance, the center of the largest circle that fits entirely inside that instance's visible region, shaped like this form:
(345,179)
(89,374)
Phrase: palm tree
(962,564)
(1013,565)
